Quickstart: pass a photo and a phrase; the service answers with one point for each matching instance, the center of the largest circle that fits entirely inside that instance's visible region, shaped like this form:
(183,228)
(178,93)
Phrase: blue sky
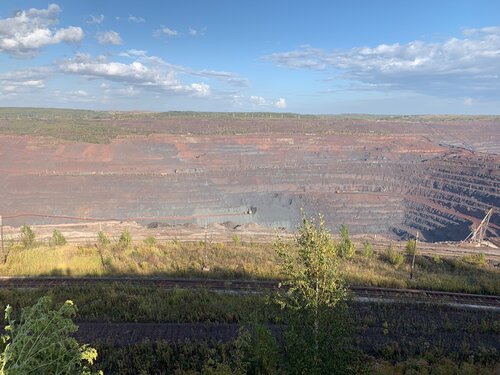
(389,57)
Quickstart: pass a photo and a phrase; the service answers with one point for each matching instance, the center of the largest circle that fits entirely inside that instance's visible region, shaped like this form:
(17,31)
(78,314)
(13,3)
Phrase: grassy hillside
(247,261)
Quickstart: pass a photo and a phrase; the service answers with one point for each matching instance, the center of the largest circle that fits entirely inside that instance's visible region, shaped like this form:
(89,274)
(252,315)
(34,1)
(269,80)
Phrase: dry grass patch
(243,260)
(63,260)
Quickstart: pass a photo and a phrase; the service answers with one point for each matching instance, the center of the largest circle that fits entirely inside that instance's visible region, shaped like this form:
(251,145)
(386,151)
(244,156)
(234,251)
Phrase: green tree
(41,342)
(125,240)
(392,256)
(27,237)
(313,298)
(57,238)
(346,246)
(367,250)
(411,246)
(103,239)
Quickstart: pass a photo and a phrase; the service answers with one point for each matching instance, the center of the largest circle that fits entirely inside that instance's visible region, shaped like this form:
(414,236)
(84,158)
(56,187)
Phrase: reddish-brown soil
(437,176)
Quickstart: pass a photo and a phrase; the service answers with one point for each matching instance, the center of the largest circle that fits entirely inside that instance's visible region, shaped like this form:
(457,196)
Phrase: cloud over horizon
(13,84)
(136,74)
(466,66)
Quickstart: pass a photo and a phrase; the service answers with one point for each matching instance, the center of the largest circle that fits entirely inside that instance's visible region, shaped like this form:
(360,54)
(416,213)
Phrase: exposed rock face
(376,177)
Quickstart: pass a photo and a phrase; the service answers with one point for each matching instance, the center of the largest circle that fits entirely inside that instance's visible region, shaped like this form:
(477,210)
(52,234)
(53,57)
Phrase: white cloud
(258,100)
(200,89)
(96,20)
(135,19)
(80,93)
(24,81)
(230,78)
(468,66)
(487,30)
(76,96)
(263,102)
(166,31)
(28,31)
(21,86)
(125,91)
(136,74)
(196,32)
(133,53)
(280,103)
(109,37)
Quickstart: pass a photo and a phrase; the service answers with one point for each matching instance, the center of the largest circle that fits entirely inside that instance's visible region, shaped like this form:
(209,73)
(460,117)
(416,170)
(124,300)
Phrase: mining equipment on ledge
(477,235)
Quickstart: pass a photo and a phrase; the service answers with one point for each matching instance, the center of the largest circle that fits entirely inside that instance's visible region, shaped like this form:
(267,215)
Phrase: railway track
(361,293)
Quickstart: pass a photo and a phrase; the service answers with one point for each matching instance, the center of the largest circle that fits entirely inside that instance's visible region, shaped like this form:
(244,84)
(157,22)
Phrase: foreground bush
(393,257)
(41,342)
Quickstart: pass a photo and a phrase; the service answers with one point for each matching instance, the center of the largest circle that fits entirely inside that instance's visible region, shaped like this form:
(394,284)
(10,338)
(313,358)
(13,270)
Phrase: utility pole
(206,268)
(413,259)
(1,233)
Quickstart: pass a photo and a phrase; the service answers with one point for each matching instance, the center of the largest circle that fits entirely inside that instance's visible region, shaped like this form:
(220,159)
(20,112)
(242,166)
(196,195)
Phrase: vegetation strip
(252,285)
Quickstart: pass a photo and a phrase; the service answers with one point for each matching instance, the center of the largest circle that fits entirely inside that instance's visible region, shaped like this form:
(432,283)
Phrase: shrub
(236,239)
(346,246)
(103,239)
(219,246)
(367,250)
(150,242)
(125,240)
(475,259)
(27,237)
(57,238)
(393,257)
(437,259)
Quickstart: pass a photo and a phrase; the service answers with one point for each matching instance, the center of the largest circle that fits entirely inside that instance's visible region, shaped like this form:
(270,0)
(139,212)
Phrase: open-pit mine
(437,175)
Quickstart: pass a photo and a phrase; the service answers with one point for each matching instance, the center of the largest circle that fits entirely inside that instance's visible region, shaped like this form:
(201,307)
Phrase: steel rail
(360,292)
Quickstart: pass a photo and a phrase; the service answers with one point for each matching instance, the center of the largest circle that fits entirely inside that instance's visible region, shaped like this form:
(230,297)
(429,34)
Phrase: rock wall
(391,182)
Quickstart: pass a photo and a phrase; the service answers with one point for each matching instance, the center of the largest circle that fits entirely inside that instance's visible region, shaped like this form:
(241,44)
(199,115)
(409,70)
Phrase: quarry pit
(388,176)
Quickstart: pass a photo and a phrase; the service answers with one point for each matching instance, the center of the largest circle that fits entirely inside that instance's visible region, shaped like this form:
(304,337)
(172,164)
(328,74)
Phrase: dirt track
(82,233)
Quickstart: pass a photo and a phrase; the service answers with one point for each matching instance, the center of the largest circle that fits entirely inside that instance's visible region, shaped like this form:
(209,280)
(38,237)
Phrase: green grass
(88,131)
(122,302)
(103,127)
(242,260)
(449,274)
